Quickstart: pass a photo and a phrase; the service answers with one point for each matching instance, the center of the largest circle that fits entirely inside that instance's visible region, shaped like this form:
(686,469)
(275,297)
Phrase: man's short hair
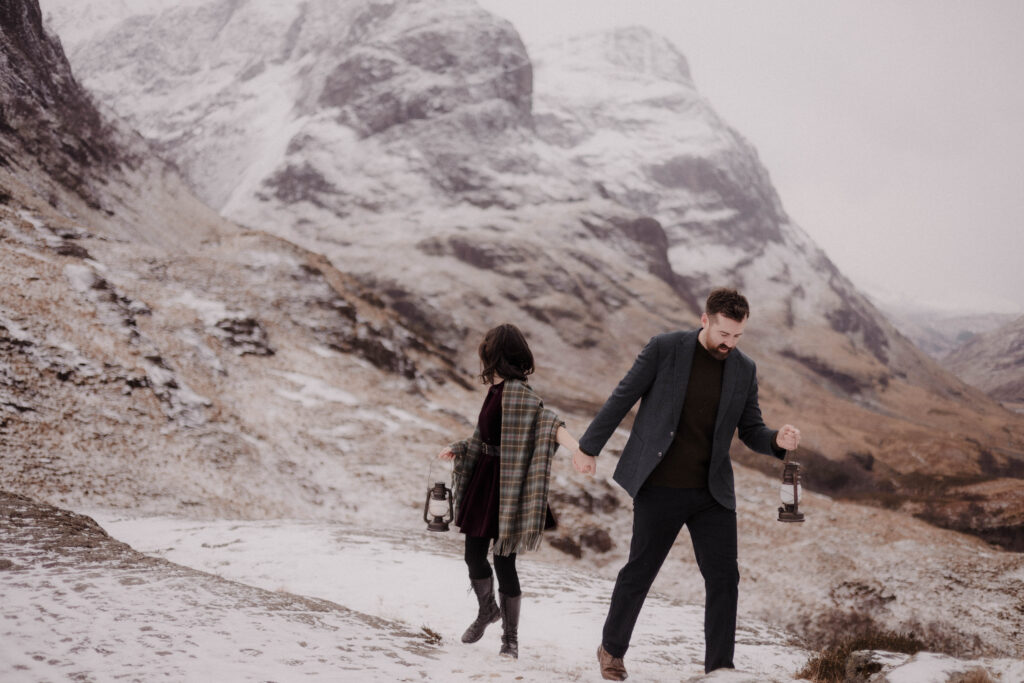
(727,302)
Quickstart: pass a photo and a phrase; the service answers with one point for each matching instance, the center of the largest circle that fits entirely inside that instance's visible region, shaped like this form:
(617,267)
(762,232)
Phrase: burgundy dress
(478,511)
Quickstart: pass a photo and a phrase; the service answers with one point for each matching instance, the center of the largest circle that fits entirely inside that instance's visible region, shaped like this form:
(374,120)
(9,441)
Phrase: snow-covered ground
(282,600)
(287,599)
(417,580)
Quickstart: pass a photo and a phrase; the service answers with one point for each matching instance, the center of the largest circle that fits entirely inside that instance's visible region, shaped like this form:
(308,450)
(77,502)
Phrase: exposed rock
(45,114)
(597,540)
(246,335)
(864,664)
(567,545)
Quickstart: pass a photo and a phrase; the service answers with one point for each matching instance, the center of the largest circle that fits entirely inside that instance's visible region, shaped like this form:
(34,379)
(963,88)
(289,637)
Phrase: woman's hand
(446,454)
(584,464)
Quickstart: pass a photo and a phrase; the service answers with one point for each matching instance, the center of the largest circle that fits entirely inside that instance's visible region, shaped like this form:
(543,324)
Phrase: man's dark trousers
(658,515)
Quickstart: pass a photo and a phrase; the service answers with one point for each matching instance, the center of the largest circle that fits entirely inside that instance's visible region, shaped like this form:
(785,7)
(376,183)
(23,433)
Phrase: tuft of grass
(978,675)
(829,665)
(430,635)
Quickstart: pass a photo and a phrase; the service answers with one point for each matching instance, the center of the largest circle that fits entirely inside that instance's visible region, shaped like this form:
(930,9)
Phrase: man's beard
(721,352)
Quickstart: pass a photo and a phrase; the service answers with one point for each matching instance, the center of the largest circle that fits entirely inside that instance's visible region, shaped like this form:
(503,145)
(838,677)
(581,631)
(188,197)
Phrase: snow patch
(313,392)
(209,310)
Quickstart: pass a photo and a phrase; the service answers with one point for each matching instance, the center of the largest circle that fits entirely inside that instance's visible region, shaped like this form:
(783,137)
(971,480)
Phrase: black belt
(487,449)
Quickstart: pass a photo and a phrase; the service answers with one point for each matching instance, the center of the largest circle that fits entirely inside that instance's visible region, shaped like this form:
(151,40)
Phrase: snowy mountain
(994,362)
(938,332)
(375,107)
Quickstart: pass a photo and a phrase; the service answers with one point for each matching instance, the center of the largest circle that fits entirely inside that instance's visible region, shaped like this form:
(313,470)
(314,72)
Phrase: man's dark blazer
(658,379)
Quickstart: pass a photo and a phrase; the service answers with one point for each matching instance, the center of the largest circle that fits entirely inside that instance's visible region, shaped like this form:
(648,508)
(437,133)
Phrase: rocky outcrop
(398,70)
(57,146)
(46,117)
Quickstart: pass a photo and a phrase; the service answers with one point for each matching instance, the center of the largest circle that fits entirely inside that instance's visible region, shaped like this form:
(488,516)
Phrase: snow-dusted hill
(938,331)
(353,126)
(994,362)
(56,146)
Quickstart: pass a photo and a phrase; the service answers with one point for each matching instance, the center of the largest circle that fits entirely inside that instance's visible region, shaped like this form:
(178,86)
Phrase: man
(695,389)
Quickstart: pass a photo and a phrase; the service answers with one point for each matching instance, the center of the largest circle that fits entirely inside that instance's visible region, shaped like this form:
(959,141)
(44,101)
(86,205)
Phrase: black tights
(504,566)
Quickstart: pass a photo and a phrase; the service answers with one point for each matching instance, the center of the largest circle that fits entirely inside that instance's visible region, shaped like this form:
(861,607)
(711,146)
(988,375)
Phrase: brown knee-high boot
(488,612)
(509,625)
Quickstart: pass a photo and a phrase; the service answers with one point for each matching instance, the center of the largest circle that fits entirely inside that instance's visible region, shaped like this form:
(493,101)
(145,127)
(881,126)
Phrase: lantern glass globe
(438,507)
(786,493)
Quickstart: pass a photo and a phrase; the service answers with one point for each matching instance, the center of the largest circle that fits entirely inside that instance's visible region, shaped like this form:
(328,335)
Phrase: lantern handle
(430,469)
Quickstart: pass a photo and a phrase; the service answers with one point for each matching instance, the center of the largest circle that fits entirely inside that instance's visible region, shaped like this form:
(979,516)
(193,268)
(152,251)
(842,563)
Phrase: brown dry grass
(838,634)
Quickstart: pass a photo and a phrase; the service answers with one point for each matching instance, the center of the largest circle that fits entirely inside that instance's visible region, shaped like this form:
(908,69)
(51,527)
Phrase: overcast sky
(893,130)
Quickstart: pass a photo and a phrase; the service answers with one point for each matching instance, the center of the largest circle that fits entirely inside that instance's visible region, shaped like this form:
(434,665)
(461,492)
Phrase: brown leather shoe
(612,668)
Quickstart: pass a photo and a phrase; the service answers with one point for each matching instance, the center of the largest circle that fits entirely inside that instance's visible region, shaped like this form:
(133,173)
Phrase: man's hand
(788,437)
(446,454)
(584,464)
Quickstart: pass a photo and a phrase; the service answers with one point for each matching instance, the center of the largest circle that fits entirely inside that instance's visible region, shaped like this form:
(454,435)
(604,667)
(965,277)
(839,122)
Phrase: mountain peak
(630,51)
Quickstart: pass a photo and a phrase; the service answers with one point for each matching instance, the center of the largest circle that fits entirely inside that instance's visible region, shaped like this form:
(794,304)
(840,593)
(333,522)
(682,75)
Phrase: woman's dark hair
(504,352)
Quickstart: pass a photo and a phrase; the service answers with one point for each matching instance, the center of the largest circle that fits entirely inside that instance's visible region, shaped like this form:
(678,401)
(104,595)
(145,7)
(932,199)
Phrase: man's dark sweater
(685,464)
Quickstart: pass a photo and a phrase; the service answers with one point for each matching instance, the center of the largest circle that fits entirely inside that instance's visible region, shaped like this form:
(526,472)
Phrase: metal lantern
(790,494)
(437,510)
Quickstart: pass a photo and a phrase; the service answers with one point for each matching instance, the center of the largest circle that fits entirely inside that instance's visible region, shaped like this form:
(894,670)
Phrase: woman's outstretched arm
(582,463)
(564,438)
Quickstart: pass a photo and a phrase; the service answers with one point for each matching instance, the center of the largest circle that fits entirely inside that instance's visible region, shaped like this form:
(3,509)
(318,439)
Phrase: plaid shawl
(527,446)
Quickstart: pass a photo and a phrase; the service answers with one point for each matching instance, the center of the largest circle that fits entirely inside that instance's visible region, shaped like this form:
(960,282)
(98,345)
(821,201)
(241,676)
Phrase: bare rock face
(45,115)
(427,70)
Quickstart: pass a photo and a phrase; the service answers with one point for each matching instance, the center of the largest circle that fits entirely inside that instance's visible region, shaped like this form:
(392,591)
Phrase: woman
(500,480)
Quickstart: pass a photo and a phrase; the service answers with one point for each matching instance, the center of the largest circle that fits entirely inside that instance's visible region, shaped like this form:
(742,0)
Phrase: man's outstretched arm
(634,385)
